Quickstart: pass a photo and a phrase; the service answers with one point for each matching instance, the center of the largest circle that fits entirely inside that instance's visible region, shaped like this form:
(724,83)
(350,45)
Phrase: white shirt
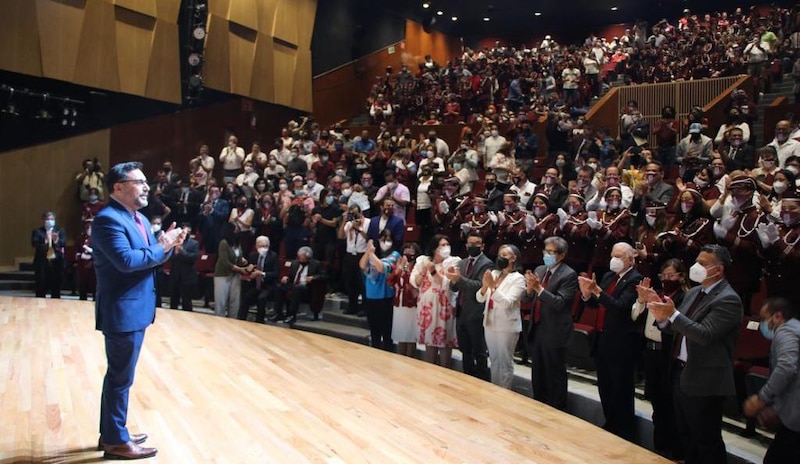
(789,148)
(525,192)
(303,272)
(504,315)
(231,158)
(423,198)
(683,355)
(400,192)
(570,77)
(356,238)
(492,145)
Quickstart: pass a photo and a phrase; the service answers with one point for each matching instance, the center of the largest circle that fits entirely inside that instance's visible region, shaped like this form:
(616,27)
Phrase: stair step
(16,285)
(338,317)
(25,276)
(331,329)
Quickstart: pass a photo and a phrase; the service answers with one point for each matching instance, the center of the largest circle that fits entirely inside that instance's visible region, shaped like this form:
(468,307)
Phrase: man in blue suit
(125,256)
(387,220)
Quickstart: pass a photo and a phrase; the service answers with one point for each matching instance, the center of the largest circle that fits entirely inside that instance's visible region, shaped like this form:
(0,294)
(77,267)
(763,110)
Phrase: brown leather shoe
(137,438)
(128,451)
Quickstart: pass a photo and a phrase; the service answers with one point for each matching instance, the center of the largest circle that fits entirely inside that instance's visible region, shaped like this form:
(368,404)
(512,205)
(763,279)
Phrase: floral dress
(436,314)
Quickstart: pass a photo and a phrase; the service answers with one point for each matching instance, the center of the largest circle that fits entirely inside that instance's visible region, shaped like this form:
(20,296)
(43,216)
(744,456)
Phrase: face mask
(612,182)
(651,220)
(283,187)
(347,192)
(768,333)
(794,170)
(613,205)
(429,154)
(593,166)
(698,273)
(686,207)
(616,265)
(93,198)
(768,164)
(539,211)
(700,182)
(473,251)
(739,201)
(324,159)
(501,263)
(340,172)
(477,209)
(736,143)
(391,185)
(509,208)
(670,286)
(311,183)
(432,139)
(583,183)
(299,193)
(329,200)
(248,170)
(549,260)
(263,251)
(779,186)
(574,209)
(386,246)
(273,163)
(49,223)
(494,133)
(789,218)
(156,228)
(781,137)
(550,180)
(490,186)
(718,171)
(560,163)
(457,166)
(651,179)
(366,183)
(444,251)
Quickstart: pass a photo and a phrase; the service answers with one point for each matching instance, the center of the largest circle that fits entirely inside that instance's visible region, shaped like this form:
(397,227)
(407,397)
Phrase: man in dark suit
(186,200)
(738,156)
(551,187)
(261,286)
(467,279)
(387,220)
(125,255)
(706,328)
(655,190)
(212,219)
(552,287)
(303,271)
(183,273)
(494,193)
(617,337)
(48,258)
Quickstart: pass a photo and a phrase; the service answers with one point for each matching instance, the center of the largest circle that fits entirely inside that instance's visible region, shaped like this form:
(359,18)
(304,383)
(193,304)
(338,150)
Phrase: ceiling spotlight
(440,12)
(486,18)
(613,8)
(454,18)
(426,5)
(538,13)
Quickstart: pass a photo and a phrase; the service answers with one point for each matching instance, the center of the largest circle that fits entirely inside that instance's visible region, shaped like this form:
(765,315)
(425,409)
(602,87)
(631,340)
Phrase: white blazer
(505,314)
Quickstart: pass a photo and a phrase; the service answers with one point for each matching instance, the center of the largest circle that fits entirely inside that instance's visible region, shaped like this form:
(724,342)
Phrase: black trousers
(379,316)
(181,293)
(299,293)
(549,373)
(49,276)
(658,388)
(259,297)
(785,447)
(353,281)
(472,343)
(616,363)
(699,424)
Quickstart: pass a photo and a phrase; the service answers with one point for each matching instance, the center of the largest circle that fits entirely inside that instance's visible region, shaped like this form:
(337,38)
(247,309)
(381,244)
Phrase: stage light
(613,8)
(440,12)
(486,18)
(199,33)
(194,59)
(454,18)
(538,13)
(426,5)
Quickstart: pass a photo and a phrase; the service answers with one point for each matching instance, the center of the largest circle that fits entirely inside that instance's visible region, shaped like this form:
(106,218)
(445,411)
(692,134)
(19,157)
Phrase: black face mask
(473,251)
(490,186)
(501,263)
(432,139)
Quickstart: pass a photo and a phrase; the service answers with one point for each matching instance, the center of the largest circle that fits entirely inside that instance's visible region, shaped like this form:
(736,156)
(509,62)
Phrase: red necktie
(141,228)
(537,307)
(601,313)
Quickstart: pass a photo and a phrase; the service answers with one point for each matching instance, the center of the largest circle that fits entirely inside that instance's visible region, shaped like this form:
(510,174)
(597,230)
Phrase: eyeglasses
(139,182)
(667,276)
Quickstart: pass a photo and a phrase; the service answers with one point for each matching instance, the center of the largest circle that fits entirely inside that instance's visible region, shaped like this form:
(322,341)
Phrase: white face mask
(616,265)
(347,192)
(444,251)
(386,246)
(700,182)
(651,220)
(698,273)
(574,209)
(779,186)
(613,205)
(263,251)
(156,228)
(311,183)
(283,187)
(793,169)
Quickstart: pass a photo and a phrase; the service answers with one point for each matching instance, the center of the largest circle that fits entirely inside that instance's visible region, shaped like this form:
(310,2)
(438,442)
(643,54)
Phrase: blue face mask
(768,333)
(329,200)
(549,260)
(49,223)
(298,193)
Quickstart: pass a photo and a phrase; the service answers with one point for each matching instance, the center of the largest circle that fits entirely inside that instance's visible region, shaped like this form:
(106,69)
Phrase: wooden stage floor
(213,390)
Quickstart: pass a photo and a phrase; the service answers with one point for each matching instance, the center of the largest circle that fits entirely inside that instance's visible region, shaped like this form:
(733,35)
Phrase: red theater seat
(584,336)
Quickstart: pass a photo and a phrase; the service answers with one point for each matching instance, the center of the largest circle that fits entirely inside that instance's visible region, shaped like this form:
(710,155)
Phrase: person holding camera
(354,229)
(91,177)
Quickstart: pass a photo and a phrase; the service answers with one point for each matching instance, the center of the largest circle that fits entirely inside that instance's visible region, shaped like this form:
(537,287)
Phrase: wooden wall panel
(261,49)
(42,178)
(97,59)
(245,13)
(242,42)
(164,63)
(134,33)
(419,43)
(99,43)
(263,83)
(19,51)
(57,21)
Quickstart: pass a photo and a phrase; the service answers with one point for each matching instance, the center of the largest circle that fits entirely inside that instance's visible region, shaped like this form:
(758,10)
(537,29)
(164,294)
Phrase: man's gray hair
(306,251)
(561,245)
(626,248)
(263,238)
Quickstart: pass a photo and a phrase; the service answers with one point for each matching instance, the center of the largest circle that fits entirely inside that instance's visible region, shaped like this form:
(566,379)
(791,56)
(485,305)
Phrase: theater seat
(757,300)
(205,272)
(584,336)
(752,352)
(412,233)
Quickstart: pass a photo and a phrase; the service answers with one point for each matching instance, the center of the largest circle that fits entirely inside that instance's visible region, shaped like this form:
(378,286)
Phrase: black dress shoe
(276,318)
(137,438)
(128,451)
(316,316)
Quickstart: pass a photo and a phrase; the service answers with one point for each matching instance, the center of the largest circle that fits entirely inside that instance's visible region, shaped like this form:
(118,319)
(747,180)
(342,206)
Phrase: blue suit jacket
(124,264)
(395,225)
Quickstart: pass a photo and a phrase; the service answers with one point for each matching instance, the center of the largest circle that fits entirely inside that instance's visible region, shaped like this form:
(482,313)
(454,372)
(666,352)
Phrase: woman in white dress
(404,317)
(501,292)
(436,315)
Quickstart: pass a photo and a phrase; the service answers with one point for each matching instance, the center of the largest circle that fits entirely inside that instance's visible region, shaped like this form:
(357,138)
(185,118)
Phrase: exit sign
(391,50)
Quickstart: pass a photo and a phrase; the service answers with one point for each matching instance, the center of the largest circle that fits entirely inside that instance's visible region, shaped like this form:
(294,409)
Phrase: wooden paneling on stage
(216,390)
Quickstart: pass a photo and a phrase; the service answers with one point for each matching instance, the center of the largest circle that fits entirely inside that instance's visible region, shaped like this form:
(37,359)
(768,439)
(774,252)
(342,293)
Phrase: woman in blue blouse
(376,266)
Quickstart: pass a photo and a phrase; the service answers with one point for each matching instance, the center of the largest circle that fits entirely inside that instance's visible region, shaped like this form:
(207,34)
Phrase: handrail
(727,92)
(324,73)
(600,103)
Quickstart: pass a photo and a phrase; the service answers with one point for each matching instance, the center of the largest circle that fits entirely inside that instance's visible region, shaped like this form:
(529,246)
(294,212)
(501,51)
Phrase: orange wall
(342,93)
